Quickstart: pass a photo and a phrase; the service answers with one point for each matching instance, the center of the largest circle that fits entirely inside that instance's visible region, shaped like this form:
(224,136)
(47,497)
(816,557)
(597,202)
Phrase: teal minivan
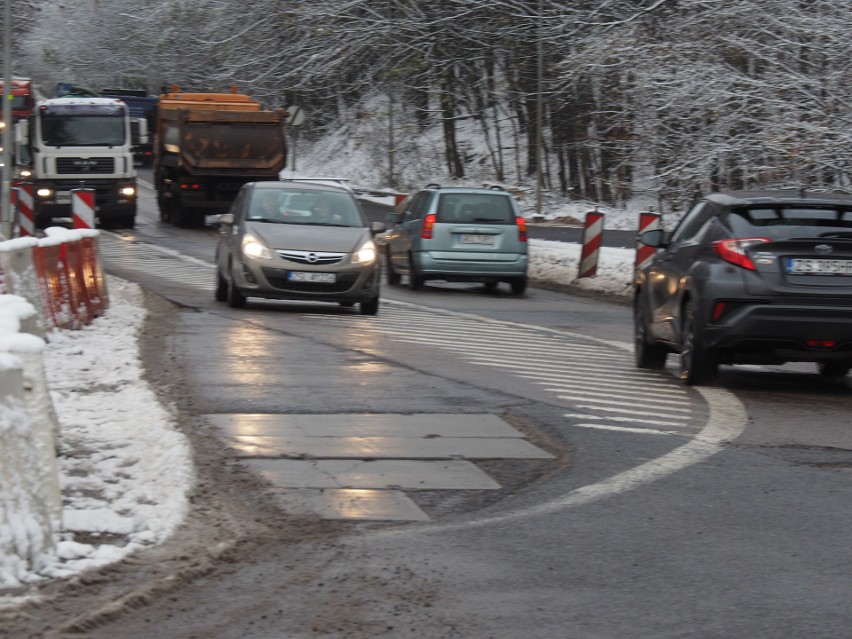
(458,234)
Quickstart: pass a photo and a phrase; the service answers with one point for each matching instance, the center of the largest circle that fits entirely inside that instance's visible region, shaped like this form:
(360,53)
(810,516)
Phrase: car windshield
(786,222)
(483,208)
(304,207)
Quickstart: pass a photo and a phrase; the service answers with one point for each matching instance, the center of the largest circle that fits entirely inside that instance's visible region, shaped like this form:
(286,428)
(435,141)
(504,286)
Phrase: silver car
(459,235)
(297,241)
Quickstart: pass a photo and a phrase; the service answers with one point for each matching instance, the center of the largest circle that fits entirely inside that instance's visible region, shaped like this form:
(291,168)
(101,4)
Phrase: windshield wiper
(838,234)
(268,220)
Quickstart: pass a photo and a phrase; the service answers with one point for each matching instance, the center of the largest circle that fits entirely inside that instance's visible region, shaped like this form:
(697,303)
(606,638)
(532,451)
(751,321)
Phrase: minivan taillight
(428,225)
(522,229)
(734,250)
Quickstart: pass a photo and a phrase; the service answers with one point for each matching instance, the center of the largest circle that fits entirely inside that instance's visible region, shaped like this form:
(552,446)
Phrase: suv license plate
(804,266)
(299,276)
(471,238)
(63,197)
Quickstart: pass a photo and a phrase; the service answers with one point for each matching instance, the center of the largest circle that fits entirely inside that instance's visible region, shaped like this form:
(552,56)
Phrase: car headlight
(252,247)
(366,254)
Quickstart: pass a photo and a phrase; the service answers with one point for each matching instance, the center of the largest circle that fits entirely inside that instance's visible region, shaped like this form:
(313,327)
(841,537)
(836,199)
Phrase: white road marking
(727,421)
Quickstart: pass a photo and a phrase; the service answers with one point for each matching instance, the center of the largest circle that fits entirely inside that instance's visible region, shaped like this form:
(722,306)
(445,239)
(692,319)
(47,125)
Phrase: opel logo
(312,258)
(823,249)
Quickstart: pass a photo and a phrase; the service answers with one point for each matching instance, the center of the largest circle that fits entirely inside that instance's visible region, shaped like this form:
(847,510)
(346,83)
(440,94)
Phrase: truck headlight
(128,191)
(44,193)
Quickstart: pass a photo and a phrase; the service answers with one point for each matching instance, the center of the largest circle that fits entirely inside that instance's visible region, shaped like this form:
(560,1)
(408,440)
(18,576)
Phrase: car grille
(312,257)
(277,278)
(85,165)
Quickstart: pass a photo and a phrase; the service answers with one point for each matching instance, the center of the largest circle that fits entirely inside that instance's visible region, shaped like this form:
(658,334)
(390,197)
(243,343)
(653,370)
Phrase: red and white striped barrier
(26,210)
(83,208)
(592,236)
(648,221)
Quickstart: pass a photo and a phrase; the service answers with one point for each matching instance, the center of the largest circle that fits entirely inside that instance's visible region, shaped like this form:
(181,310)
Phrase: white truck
(78,142)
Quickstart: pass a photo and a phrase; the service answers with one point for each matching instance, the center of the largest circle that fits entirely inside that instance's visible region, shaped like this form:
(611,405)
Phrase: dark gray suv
(749,278)
(458,234)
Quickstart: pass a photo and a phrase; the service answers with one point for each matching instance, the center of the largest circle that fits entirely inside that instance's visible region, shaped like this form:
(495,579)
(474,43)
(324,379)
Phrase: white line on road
(726,422)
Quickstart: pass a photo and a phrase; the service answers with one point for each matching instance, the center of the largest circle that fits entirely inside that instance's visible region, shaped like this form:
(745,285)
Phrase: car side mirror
(377,227)
(655,238)
(224,219)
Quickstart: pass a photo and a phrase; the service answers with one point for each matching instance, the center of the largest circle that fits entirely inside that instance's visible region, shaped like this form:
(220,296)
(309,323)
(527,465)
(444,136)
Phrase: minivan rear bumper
(462,265)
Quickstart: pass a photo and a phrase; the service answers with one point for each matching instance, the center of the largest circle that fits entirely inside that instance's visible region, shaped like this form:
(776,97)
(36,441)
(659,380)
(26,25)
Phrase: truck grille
(93,166)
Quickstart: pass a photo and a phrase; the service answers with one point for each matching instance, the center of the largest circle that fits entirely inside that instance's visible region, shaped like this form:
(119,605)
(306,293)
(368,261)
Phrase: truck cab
(71,143)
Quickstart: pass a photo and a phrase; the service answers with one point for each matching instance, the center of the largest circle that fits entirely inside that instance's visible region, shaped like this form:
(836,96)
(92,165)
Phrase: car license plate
(473,238)
(810,266)
(324,278)
(63,197)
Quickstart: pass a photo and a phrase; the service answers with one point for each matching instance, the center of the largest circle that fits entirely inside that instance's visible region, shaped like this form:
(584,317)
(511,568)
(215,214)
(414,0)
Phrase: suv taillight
(522,229)
(734,250)
(428,225)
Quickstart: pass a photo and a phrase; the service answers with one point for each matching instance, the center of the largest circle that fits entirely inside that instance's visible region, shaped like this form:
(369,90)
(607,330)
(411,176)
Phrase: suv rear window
(475,207)
(787,222)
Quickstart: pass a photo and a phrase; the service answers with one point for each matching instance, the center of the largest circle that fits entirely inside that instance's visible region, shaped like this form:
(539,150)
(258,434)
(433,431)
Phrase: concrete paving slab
(351,504)
(387,447)
(396,473)
(365,425)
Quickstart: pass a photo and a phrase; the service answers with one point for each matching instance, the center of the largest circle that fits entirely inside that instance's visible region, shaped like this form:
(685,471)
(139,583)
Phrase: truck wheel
(165,210)
(179,214)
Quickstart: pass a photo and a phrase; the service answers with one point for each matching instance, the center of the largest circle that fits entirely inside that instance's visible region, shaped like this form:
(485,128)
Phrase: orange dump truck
(207,145)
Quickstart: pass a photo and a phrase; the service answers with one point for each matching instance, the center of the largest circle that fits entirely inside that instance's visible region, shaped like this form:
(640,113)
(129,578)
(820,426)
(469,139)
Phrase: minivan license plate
(300,276)
(473,238)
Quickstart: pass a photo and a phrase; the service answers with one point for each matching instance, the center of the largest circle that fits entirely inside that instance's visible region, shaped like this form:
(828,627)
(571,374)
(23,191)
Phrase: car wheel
(832,369)
(235,298)
(648,354)
(371,307)
(221,287)
(490,285)
(698,365)
(415,280)
(393,277)
(519,285)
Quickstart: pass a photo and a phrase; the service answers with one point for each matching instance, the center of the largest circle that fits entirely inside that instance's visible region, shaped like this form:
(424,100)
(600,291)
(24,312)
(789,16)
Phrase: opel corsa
(297,241)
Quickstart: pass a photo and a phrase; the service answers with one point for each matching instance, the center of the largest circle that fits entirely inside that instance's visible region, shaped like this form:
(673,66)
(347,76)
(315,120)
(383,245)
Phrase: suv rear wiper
(489,219)
(838,234)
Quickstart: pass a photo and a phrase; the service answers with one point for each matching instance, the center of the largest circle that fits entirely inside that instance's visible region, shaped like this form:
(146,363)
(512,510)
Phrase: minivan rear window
(481,208)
